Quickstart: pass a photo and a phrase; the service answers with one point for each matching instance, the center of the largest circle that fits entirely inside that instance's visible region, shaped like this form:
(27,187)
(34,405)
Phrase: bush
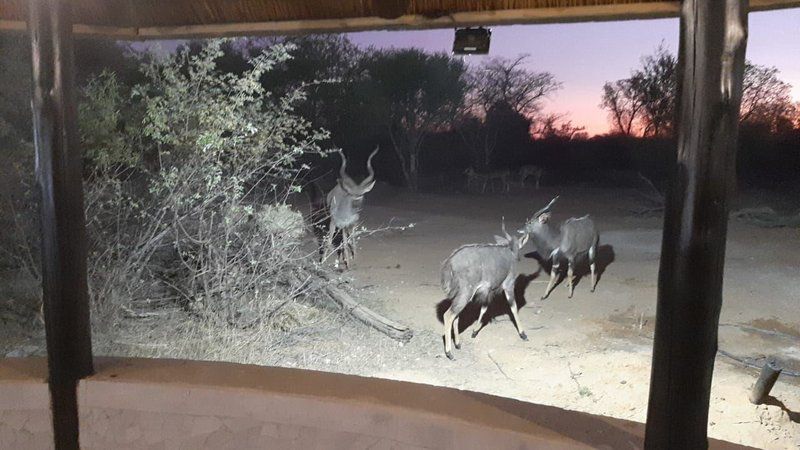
(186,209)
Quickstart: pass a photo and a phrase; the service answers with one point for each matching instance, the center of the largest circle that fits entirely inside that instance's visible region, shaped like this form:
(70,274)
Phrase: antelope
(488,177)
(473,273)
(528,171)
(575,239)
(344,204)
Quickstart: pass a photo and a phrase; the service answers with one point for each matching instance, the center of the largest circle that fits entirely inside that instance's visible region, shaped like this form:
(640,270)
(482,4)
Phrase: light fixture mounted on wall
(472,41)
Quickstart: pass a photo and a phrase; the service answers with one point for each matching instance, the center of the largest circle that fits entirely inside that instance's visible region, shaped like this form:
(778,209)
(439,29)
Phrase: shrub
(186,198)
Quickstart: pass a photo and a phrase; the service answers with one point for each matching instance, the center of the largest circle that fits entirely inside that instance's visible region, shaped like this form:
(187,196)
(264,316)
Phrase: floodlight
(472,41)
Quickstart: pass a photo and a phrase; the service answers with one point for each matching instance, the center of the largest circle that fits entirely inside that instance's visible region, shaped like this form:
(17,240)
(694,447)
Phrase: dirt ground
(592,352)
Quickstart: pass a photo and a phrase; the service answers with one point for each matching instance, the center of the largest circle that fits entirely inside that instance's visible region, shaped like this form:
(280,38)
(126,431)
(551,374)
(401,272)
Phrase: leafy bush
(186,200)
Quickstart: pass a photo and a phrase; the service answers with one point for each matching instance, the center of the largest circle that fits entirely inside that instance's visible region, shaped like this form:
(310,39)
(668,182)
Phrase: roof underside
(164,19)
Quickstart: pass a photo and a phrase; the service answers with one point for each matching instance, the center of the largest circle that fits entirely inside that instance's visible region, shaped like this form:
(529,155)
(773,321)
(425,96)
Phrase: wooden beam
(58,172)
(630,11)
(419,22)
(713,37)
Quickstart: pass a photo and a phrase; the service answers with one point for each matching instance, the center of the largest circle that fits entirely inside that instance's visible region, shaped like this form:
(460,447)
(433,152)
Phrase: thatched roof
(142,19)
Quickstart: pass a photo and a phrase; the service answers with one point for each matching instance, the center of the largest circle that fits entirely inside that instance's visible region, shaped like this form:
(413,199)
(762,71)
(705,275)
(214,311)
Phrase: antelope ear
(366,188)
(500,240)
(523,240)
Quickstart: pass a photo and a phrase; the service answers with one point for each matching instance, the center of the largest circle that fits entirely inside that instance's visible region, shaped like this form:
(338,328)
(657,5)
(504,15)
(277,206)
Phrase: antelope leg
(448,330)
(329,241)
(457,338)
(570,279)
(553,275)
(346,247)
(479,323)
(512,303)
(593,265)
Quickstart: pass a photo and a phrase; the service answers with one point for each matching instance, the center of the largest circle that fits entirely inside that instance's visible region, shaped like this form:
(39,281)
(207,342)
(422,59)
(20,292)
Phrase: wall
(151,403)
(24,404)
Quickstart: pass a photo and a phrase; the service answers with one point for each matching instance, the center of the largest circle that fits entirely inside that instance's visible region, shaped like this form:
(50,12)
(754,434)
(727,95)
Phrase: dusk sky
(583,56)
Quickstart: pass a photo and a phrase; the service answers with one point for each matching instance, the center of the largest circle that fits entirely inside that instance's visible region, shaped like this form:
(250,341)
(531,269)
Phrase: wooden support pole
(713,36)
(63,240)
(766,380)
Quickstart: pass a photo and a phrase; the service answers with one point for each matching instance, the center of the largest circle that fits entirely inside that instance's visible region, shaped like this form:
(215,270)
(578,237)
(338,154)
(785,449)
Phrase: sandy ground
(592,352)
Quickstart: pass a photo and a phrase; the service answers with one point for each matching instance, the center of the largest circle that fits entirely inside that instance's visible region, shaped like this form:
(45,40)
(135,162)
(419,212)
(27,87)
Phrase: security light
(472,41)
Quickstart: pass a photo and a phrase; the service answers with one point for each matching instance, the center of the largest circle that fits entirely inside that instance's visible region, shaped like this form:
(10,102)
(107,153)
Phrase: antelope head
(539,218)
(352,188)
(514,243)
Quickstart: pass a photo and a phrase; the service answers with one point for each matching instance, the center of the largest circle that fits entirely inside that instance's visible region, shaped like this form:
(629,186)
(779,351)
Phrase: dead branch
(653,197)
(498,366)
(365,315)
(766,217)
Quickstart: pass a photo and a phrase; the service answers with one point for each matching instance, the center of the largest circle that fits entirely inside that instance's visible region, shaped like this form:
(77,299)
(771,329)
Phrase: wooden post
(63,240)
(766,380)
(713,35)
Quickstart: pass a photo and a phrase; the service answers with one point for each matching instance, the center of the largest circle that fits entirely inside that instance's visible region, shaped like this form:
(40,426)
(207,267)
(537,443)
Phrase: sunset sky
(583,56)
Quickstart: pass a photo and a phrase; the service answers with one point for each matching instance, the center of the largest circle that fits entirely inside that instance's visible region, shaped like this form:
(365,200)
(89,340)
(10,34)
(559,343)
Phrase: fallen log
(365,315)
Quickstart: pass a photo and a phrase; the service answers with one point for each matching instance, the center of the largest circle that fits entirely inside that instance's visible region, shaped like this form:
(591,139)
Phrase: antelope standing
(475,272)
(530,171)
(575,239)
(344,203)
(484,178)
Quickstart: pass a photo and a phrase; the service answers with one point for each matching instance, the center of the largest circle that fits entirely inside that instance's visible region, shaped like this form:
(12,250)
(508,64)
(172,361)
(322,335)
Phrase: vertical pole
(63,240)
(711,60)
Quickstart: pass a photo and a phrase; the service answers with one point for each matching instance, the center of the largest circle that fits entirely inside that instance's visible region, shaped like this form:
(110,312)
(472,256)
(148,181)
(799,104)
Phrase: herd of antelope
(473,273)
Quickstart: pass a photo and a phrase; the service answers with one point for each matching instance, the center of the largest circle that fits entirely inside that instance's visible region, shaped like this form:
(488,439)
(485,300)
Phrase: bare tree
(498,89)
(766,100)
(416,93)
(556,126)
(623,106)
(644,103)
(510,82)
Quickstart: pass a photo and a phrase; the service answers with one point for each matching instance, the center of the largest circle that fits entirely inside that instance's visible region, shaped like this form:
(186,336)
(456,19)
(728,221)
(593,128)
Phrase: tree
(555,126)
(644,103)
(508,81)
(502,93)
(416,93)
(766,100)
(623,106)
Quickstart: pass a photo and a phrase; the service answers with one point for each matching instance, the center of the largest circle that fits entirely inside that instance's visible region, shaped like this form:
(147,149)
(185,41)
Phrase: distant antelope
(344,203)
(475,272)
(484,178)
(576,238)
(530,171)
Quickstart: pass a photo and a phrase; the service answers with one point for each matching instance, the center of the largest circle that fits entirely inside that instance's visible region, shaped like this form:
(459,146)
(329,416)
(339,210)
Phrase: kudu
(344,204)
(484,178)
(576,238)
(530,171)
(474,273)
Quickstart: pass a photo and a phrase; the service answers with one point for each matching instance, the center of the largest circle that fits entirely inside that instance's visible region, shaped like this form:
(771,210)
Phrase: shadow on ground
(605,257)
(497,307)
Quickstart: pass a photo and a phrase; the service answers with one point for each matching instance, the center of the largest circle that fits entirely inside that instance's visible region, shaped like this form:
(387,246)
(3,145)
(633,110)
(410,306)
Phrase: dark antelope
(530,171)
(484,178)
(576,238)
(474,273)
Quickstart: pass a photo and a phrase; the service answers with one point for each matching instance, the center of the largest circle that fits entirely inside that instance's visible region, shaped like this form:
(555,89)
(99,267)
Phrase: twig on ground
(498,367)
